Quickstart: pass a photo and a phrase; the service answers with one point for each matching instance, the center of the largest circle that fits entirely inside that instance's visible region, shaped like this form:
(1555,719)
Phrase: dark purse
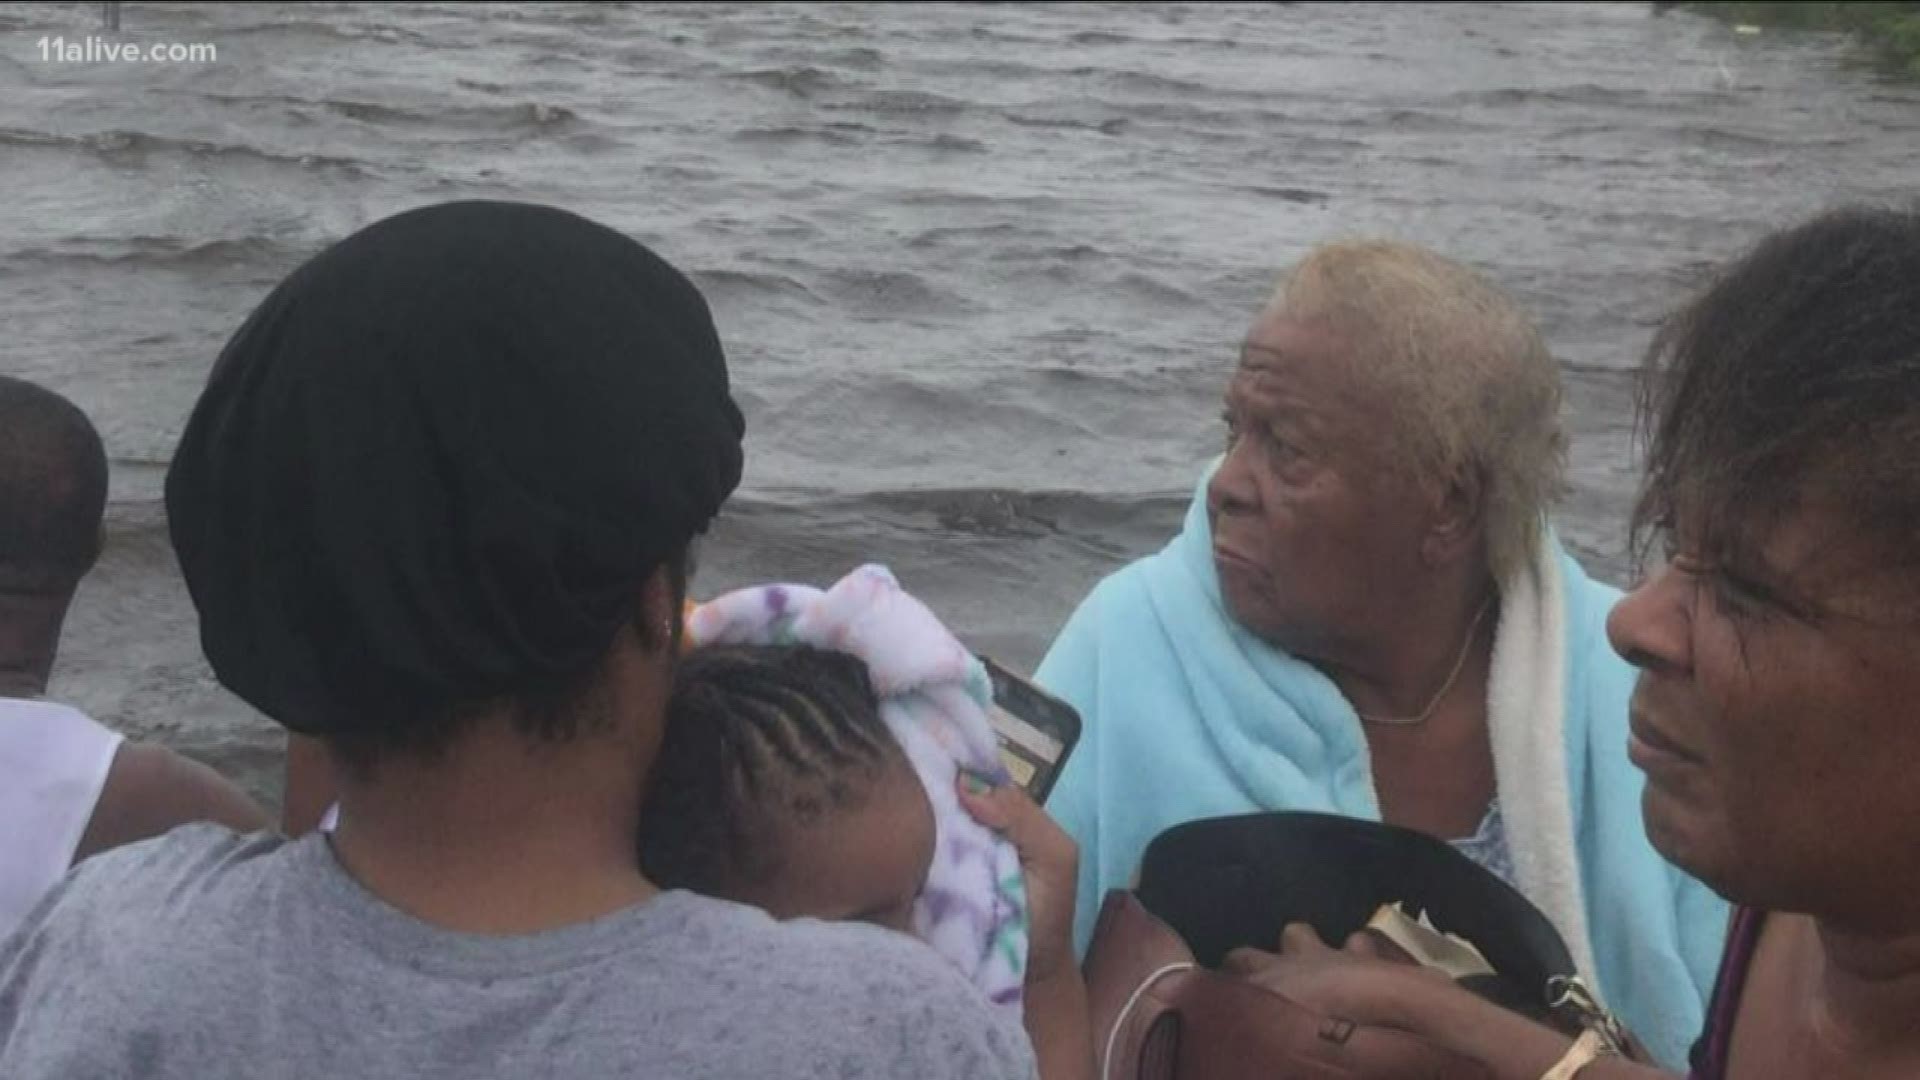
(1160,1011)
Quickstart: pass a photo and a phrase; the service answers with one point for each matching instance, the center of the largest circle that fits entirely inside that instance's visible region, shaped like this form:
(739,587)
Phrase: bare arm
(1359,987)
(150,790)
(1060,1027)
(310,789)
(1057,1020)
(1511,1046)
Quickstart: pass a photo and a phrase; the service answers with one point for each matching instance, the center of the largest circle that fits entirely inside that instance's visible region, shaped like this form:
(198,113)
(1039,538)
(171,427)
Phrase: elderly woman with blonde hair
(1367,613)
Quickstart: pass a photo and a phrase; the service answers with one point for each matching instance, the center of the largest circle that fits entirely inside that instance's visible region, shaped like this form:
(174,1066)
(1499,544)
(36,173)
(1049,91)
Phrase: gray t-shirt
(204,955)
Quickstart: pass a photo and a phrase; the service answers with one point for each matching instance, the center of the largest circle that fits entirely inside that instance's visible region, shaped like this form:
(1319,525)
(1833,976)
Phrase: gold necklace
(1459,662)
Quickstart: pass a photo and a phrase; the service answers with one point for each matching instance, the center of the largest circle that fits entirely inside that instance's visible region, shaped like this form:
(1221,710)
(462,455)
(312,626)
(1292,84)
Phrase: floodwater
(981,269)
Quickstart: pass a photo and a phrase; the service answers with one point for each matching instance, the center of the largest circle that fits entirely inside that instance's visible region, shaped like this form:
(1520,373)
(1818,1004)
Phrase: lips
(1226,558)
(1652,749)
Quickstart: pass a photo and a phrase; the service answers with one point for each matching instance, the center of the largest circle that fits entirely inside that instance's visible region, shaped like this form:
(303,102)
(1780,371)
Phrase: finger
(1012,812)
(990,805)
(1248,961)
(1364,943)
(1301,939)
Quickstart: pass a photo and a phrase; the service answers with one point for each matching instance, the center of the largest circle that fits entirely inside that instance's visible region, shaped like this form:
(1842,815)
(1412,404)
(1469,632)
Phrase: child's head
(779,785)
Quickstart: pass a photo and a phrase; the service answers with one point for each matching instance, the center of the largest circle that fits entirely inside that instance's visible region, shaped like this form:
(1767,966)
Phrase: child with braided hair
(827,757)
(784,789)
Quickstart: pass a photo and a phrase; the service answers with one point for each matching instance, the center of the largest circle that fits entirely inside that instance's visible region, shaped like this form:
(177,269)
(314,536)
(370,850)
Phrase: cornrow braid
(757,736)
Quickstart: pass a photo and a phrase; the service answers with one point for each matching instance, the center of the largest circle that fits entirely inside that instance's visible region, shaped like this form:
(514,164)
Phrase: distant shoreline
(1888,31)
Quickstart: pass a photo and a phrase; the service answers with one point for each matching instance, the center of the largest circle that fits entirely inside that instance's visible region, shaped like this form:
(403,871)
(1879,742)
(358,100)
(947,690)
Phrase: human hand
(1367,980)
(1051,863)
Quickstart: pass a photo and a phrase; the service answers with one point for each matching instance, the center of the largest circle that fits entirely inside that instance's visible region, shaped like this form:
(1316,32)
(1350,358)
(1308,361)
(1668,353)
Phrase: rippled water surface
(981,269)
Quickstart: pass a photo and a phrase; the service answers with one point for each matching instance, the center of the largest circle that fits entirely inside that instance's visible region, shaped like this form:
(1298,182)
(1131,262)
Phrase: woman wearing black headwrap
(434,509)
(422,476)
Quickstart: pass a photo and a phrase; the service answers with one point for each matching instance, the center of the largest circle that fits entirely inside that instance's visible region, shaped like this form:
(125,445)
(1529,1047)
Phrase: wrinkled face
(1315,531)
(1777,719)
(866,863)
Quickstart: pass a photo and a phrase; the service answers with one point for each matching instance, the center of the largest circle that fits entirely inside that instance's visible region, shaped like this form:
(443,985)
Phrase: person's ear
(657,612)
(1458,521)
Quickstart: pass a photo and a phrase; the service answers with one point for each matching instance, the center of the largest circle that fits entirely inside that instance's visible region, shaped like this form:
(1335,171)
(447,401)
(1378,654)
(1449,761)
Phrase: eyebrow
(1756,573)
(1250,348)
(1274,404)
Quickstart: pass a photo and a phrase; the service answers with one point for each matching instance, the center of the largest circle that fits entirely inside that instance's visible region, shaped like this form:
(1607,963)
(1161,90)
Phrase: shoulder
(905,995)
(1105,606)
(46,736)
(1595,670)
(143,888)
(43,717)
(1124,586)
(150,789)
(854,959)
(164,872)
(917,1014)
(1587,600)
(128,920)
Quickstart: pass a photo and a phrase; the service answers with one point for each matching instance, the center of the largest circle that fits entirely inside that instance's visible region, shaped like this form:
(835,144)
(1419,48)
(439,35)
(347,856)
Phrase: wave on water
(527,115)
(1147,288)
(1415,120)
(911,102)
(944,234)
(1052,253)
(975,511)
(168,252)
(518,116)
(1001,512)
(122,147)
(889,293)
(1302,196)
(339,31)
(802,82)
(1115,125)
(725,286)
(983,269)
(1142,82)
(1698,136)
(831,135)
(845,134)
(957,144)
(830,58)
(1584,94)
(1041,206)
(1100,37)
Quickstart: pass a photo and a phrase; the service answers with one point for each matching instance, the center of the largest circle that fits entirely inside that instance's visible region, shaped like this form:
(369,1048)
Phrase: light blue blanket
(1188,716)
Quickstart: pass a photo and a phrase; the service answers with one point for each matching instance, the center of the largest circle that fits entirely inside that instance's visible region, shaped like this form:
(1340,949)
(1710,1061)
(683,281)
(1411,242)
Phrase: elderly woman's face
(1777,719)
(1314,532)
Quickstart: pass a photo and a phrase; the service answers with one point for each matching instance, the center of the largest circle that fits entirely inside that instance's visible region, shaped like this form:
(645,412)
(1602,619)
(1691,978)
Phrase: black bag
(1208,887)
(1233,882)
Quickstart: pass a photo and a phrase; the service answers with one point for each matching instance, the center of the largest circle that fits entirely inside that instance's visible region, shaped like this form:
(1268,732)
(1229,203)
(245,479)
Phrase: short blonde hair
(1469,377)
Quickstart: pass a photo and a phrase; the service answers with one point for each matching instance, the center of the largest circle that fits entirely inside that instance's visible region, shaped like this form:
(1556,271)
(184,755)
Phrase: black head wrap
(439,461)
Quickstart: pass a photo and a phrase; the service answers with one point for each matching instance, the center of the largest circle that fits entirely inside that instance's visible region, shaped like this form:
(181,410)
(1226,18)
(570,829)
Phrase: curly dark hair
(757,737)
(1798,366)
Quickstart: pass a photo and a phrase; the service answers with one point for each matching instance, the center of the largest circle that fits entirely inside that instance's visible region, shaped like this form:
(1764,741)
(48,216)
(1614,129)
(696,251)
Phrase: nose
(1232,490)
(1652,626)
